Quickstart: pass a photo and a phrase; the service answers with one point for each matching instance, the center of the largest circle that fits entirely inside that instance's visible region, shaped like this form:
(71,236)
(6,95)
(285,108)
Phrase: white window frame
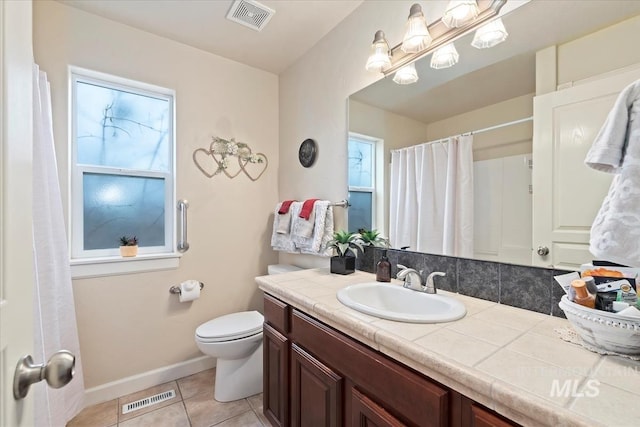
(105,262)
(377,178)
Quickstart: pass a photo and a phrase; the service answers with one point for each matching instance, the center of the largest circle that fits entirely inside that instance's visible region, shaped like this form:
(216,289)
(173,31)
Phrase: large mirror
(489,93)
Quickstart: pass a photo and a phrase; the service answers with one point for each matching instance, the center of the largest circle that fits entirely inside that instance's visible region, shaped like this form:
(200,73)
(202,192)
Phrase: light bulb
(445,57)
(490,35)
(459,12)
(416,36)
(379,58)
(406,75)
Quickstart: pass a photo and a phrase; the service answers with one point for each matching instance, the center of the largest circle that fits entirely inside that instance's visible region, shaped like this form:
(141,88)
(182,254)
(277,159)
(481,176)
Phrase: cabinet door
(316,392)
(276,377)
(480,417)
(366,413)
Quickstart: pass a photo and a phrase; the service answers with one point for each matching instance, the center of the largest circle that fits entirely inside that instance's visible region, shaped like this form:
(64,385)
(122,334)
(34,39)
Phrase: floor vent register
(148,401)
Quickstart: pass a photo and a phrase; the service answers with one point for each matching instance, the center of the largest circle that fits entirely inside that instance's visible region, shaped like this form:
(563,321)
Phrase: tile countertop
(506,358)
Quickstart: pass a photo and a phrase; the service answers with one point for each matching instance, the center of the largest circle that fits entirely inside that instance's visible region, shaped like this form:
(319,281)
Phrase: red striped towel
(307,208)
(284,207)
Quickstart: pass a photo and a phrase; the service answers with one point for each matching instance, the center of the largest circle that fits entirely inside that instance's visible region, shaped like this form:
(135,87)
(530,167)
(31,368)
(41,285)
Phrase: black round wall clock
(307,152)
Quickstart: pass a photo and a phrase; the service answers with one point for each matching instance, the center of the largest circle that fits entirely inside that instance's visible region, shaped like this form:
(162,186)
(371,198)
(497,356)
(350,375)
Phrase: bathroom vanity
(326,364)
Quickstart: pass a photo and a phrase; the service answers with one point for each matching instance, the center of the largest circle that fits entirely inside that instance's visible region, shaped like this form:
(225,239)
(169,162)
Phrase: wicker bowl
(602,329)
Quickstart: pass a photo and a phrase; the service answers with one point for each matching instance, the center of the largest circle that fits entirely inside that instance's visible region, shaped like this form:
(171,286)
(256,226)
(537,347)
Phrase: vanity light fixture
(406,75)
(380,58)
(445,57)
(459,12)
(416,42)
(490,35)
(416,36)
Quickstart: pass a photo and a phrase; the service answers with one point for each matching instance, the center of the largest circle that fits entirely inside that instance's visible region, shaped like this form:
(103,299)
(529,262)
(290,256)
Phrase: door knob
(58,372)
(543,250)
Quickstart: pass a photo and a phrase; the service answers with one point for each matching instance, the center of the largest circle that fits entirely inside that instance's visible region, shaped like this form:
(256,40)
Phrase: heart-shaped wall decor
(204,162)
(254,170)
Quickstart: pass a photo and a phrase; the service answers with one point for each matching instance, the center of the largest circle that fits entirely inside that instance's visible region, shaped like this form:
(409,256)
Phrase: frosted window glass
(122,129)
(360,164)
(117,205)
(360,213)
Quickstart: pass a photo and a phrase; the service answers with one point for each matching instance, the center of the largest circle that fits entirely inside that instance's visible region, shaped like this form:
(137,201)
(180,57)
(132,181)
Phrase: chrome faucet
(430,287)
(412,279)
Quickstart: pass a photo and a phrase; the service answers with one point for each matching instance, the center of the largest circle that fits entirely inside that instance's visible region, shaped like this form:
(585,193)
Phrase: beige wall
(314,102)
(130,324)
(608,49)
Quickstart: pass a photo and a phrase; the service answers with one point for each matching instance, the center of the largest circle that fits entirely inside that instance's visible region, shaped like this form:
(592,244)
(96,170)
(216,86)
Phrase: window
(362,182)
(122,166)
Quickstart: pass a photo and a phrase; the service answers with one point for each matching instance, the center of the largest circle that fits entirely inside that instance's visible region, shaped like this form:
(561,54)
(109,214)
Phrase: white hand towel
(284,222)
(280,241)
(321,239)
(609,148)
(314,243)
(304,227)
(615,232)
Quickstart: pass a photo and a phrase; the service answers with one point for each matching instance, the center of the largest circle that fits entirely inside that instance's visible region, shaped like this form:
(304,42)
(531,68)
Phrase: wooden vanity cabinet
(316,376)
(275,390)
(316,391)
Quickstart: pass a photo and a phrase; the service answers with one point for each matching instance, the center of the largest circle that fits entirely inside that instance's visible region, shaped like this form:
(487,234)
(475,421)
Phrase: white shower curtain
(431,197)
(54,310)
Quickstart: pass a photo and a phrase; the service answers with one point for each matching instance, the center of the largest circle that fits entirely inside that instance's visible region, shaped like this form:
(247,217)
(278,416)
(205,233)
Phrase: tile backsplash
(531,288)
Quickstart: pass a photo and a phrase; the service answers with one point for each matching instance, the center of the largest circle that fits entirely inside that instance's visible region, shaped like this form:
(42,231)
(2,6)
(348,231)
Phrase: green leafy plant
(344,242)
(373,238)
(128,241)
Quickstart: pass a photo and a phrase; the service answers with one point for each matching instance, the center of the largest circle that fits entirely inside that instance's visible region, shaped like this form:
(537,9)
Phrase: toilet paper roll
(189,290)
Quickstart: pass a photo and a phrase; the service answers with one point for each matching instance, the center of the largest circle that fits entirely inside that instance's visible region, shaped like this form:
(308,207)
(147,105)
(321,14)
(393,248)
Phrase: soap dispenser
(383,268)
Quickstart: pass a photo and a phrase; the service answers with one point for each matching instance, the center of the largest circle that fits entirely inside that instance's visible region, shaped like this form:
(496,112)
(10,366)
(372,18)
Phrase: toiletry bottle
(583,297)
(383,268)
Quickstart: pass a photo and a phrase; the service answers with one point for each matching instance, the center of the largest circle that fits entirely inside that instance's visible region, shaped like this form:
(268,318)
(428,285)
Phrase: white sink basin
(394,302)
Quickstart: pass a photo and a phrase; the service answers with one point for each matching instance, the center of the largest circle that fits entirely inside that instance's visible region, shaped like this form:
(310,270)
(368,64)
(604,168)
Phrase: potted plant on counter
(373,238)
(128,246)
(370,239)
(345,246)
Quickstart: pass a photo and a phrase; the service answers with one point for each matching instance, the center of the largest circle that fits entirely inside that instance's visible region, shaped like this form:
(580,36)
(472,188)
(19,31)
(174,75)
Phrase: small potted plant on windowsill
(345,245)
(128,246)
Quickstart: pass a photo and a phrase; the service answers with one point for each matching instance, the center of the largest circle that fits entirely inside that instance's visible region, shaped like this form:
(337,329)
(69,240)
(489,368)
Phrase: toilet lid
(231,326)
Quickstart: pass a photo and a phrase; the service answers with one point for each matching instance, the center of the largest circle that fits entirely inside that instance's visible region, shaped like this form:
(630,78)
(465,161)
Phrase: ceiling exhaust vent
(250,14)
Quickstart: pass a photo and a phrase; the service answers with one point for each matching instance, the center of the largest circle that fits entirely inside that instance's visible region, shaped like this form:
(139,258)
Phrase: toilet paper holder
(176,289)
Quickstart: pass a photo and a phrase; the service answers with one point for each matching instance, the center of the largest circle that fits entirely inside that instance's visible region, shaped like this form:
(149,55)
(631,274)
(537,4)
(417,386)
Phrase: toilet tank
(281,268)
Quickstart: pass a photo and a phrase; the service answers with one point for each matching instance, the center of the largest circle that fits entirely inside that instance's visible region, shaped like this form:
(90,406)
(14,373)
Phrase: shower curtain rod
(487,129)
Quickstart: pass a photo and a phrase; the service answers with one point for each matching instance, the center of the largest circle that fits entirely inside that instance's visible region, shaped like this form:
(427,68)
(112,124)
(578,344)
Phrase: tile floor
(193,406)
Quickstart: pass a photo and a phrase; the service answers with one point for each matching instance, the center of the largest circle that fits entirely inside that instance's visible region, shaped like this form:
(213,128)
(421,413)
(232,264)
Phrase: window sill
(82,268)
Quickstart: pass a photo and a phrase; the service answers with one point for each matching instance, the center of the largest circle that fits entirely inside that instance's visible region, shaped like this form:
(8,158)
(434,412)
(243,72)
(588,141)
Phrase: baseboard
(115,389)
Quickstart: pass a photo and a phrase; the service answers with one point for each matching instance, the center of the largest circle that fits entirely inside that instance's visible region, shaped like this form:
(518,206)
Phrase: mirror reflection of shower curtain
(431,197)
(54,310)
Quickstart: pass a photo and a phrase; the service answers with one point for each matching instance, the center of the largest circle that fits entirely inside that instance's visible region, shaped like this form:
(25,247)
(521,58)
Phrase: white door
(16,253)
(566,193)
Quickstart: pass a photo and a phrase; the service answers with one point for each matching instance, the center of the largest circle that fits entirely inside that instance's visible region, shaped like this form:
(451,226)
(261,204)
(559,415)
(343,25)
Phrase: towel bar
(342,203)
(176,289)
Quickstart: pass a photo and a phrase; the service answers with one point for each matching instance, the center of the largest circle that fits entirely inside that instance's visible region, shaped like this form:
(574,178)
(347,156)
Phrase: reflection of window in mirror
(364,176)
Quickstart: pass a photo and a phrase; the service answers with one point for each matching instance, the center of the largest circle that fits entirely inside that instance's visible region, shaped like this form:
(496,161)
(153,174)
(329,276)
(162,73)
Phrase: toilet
(235,340)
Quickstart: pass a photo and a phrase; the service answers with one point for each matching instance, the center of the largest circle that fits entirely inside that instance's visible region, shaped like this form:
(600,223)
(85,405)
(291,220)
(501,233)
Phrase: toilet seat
(231,327)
